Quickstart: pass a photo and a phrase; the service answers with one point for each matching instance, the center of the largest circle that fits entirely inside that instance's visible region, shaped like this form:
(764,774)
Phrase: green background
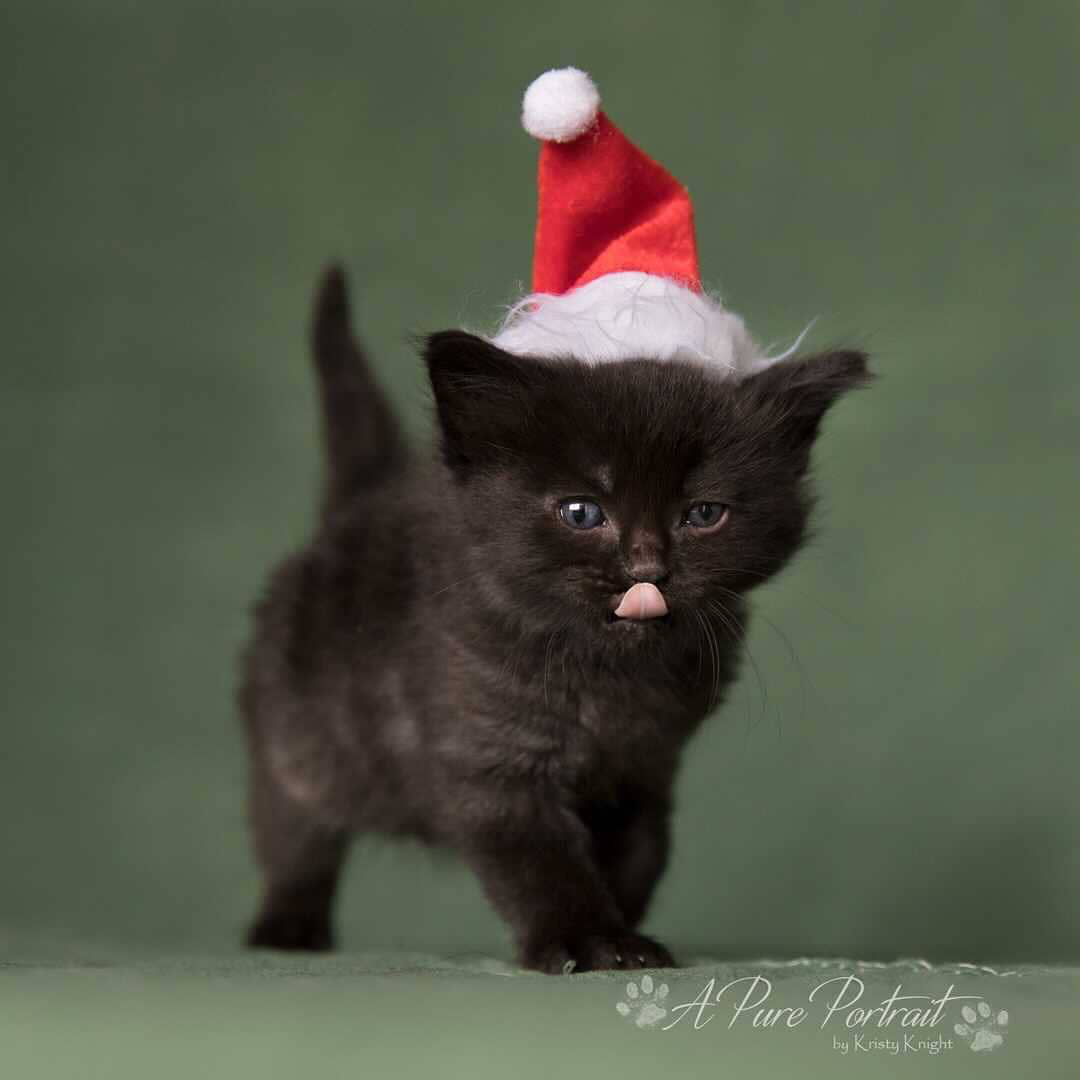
(895,774)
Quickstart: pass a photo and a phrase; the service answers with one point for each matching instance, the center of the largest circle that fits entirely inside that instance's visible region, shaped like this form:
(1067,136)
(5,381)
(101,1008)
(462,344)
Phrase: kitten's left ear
(797,393)
(485,397)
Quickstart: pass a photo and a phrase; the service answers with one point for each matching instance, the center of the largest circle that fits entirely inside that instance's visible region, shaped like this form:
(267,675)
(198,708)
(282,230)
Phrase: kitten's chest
(613,740)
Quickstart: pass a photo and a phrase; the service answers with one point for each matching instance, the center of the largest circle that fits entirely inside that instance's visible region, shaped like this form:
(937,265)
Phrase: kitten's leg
(537,868)
(300,860)
(631,850)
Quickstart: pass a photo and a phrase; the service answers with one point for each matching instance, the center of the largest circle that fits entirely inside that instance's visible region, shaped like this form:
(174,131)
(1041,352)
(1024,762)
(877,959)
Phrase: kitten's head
(575,481)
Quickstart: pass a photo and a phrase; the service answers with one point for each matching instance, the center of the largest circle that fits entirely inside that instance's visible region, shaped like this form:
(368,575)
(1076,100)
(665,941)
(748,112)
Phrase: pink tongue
(642,601)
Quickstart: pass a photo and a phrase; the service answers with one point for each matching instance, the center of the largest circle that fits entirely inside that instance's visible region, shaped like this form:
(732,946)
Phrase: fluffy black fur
(441,661)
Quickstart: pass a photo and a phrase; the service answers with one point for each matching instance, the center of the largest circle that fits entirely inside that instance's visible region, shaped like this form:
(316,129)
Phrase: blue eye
(581,514)
(705,515)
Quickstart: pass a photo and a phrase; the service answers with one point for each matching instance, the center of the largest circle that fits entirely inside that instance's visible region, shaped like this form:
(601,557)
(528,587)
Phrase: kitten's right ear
(484,397)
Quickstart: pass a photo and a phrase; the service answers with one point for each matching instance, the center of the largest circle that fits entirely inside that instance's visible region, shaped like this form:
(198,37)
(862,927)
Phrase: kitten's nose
(645,557)
(653,571)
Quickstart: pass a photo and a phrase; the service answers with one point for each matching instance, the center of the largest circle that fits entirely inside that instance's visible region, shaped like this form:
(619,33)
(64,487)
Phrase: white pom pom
(560,105)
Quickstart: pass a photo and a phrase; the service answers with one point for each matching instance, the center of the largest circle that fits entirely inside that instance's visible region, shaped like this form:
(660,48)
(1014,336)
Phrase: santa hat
(615,267)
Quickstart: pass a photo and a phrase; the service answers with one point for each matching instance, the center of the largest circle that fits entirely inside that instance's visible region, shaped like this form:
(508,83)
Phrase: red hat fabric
(604,206)
(615,267)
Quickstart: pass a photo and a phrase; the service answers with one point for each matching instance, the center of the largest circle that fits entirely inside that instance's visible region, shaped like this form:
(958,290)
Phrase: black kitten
(442,660)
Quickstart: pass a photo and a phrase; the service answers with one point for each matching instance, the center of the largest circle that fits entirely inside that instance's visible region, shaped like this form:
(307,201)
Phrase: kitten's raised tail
(361,436)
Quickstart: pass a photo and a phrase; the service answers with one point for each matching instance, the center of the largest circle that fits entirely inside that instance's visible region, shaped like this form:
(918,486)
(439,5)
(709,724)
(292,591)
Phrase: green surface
(411,1016)
(895,774)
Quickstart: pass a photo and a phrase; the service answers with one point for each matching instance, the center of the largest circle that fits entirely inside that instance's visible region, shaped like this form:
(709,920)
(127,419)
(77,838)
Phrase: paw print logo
(981,1029)
(644,1003)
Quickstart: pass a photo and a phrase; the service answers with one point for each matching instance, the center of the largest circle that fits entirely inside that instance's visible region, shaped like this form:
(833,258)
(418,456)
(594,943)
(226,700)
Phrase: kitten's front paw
(294,933)
(596,952)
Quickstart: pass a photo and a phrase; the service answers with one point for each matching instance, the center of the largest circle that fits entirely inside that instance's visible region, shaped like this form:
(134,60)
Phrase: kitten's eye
(581,514)
(706,515)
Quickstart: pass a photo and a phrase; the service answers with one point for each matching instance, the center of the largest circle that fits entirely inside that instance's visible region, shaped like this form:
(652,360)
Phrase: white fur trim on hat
(631,315)
(560,105)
